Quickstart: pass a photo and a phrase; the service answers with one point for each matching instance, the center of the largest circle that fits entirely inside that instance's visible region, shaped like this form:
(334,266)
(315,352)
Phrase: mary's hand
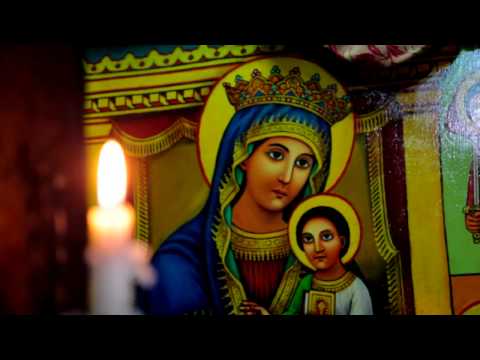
(252,308)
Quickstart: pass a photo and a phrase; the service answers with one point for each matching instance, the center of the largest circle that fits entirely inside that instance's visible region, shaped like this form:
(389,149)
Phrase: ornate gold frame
(159,82)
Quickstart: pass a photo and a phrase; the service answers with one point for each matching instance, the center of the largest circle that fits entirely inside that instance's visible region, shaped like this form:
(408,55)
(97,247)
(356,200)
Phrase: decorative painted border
(98,127)
(159,82)
(114,87)
(178,59)
(383,240)
(138,101)
(162,99)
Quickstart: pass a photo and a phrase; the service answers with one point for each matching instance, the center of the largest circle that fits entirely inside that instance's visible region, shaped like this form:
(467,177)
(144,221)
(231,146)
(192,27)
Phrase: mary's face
(277,171)
(322,243)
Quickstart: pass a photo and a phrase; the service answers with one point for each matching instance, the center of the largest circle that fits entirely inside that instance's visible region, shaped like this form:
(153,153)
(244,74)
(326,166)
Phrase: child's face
(321,243)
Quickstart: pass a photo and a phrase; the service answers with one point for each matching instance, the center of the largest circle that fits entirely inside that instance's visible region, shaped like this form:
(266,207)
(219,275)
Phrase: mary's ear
(342,239)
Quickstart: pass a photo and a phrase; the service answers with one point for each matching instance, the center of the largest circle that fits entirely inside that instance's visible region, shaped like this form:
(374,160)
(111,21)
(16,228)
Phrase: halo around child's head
(332,201)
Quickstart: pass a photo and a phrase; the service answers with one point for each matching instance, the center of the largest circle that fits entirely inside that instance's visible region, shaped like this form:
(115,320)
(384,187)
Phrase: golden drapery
(161,153)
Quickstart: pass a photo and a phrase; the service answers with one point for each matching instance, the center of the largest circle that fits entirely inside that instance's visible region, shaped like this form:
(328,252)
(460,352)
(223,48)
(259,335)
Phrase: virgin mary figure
(271,153)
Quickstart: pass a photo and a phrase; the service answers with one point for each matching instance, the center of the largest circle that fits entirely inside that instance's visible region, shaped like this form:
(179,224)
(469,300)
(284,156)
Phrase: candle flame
(112,175)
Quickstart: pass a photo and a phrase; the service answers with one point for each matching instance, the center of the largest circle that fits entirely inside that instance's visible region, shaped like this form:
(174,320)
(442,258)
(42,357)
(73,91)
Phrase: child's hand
(251,308)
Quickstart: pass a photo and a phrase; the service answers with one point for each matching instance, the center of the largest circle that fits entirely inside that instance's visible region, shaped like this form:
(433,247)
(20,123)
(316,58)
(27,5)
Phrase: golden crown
(289,90)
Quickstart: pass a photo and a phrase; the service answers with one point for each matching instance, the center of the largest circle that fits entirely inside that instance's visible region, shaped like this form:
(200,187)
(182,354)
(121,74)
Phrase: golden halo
(218,112)
(332,201)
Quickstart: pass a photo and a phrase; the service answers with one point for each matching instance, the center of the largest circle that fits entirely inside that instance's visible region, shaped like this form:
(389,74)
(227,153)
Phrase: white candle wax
(110,229)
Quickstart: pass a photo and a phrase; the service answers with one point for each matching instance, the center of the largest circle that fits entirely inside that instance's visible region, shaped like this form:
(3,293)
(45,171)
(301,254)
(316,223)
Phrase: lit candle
(116,261)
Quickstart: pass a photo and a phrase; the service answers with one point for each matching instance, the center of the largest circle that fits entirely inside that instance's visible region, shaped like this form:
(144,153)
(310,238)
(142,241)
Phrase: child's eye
(307,238)
(327,236)
(275,155)
(303,163)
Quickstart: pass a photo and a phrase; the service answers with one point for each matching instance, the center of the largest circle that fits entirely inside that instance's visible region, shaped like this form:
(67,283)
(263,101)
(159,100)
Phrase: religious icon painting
(273,132)
(319,303)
